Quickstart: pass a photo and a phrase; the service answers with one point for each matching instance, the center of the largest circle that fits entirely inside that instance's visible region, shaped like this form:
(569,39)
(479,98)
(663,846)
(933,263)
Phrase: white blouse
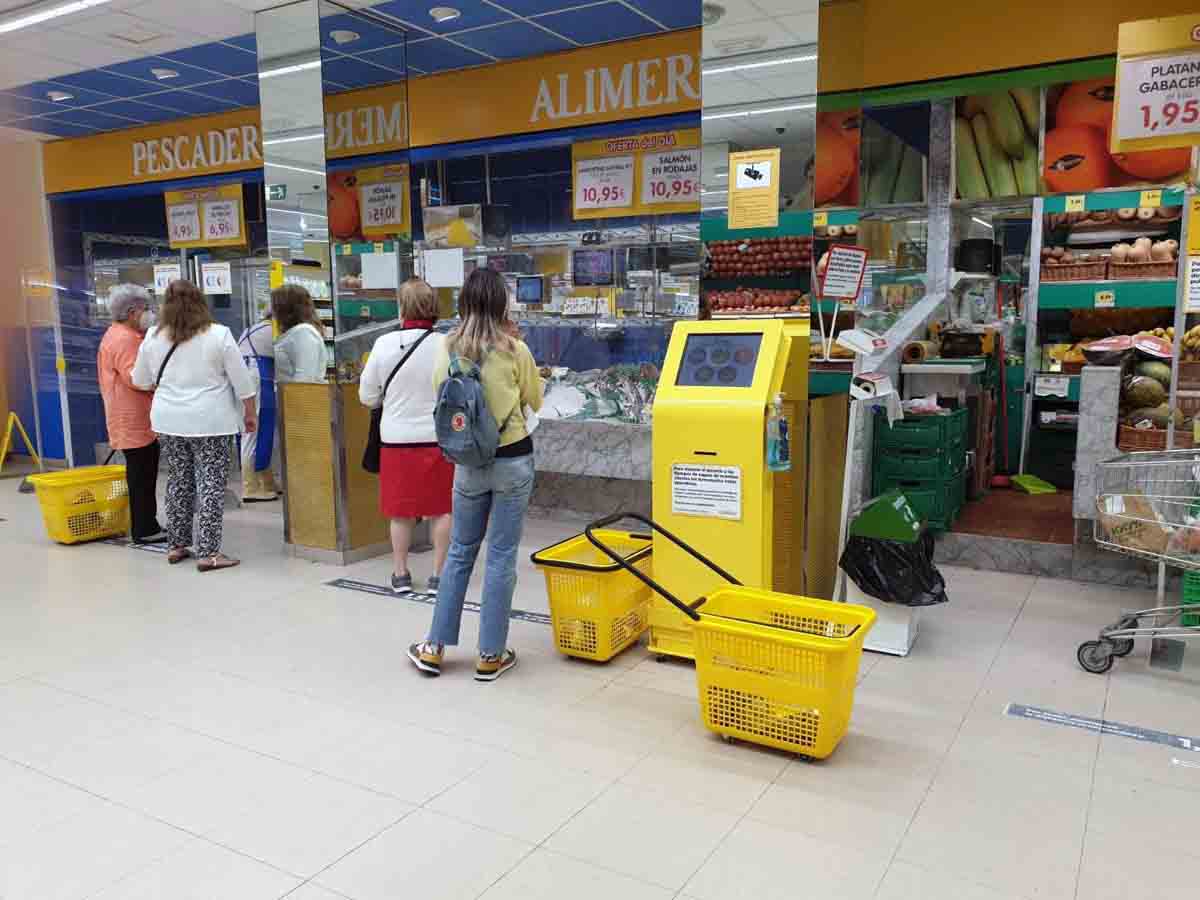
(408,408)
(201,387)
(300,355)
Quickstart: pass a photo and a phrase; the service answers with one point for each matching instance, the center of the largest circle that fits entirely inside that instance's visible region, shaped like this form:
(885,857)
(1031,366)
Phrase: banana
(883,164)
(972,185)
(1026,170)
(1006,123)
(1027,102)
(996,166)
(910,182)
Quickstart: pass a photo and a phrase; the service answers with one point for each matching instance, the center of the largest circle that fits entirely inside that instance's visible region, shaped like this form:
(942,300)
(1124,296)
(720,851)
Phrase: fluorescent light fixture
(741,67)
(722,193)
(295,212)
(288,70)
(981,222)
(164,74)
(720,174)
(59,96)
(272,165)
(320,135)
(758,112)
(44,12)
(442,14)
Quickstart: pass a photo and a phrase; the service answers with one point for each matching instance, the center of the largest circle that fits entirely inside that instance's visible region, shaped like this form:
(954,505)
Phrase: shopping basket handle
(688,610)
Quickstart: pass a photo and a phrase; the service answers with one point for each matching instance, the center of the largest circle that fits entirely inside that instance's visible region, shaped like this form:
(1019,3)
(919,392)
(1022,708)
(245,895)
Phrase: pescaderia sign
(652,76)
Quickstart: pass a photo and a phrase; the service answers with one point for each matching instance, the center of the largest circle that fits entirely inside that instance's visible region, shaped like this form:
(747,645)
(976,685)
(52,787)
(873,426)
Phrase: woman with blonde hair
(300,350)
(415,480)
(202,393)
(497,492)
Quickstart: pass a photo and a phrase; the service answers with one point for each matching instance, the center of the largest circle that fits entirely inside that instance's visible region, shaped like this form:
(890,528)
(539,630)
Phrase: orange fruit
(1077,159)
(1154,165)
(835,164)
(343,206)
(1086,103)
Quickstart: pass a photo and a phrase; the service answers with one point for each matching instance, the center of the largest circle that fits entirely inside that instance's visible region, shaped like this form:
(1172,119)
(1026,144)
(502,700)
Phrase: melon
(1160,372)
(1142,391)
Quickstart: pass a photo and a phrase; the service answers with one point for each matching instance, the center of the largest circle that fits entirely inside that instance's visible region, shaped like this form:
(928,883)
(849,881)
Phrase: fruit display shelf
(1131,294)
(1121,198)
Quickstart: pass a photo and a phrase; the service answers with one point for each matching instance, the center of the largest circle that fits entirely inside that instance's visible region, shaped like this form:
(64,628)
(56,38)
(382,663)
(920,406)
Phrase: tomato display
(759,257)
(751,299)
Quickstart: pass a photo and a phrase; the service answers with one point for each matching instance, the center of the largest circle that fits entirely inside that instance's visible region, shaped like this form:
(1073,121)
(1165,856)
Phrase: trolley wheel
(1095,656)
(1122,646)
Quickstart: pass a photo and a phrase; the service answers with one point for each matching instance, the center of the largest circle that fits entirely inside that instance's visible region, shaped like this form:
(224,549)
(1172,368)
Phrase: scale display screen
(592,268)
(529,289)
(719,360)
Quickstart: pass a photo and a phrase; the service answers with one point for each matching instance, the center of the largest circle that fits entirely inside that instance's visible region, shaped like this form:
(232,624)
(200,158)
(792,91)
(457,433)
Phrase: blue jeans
(490,500)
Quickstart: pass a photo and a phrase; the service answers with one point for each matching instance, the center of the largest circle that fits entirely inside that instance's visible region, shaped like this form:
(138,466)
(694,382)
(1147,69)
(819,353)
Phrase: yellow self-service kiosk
(712,487)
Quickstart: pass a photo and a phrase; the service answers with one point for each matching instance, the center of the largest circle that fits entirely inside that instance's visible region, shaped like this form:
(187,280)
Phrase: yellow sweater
(510,383)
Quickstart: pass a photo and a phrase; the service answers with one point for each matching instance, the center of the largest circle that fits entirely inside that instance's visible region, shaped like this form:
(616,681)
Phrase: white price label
(604,183)
(1052,386)
(686,306)
(671,177)
(382,204)
(222,221)
(217,278)
(183,222)
(1193,295)
(1160,96)
(581,306)
(164,274)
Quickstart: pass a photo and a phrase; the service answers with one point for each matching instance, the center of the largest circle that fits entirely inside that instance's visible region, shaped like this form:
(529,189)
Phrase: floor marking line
(366,587)
(1103,726)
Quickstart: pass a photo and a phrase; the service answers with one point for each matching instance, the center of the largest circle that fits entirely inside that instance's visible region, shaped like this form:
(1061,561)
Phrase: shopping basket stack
(771,668)
(83,504)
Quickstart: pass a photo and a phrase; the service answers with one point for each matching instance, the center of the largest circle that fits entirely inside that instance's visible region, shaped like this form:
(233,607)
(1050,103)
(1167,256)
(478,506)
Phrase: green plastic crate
(1191,597)
(937,501)
(931,434)
(897,462)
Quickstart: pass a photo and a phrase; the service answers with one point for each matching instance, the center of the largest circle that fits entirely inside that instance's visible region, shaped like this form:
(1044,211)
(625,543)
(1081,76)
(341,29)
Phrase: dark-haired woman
(203,395)
(497,493)
(300,350)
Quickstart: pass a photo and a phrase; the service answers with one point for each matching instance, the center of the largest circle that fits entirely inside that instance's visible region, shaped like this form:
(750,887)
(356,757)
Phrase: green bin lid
(888,517)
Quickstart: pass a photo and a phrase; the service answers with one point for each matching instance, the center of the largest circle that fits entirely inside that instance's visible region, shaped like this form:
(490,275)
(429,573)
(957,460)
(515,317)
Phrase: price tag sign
(686,306)
(1075,203)
(671,177)
(222,220)
(1105,299)
(604,183)
(580,306)
(1159,96)
(217,278)
(164,274)
(1193,294)
(1052,386)
(1150,199)
(820,219)
(183,222)
(383,204)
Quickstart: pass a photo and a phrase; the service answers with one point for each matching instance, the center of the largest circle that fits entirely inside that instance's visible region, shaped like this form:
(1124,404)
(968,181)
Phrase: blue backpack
(466,429)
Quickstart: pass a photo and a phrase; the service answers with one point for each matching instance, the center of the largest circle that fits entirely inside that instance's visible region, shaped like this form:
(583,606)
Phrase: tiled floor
(256,734)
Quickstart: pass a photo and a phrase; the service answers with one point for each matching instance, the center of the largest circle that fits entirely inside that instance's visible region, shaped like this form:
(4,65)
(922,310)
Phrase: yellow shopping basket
(772,669)
(597,607)
(83,504)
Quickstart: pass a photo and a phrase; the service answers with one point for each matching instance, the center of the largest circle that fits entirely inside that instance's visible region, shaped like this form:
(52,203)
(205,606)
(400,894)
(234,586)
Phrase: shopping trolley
(771,668)
(1147,506)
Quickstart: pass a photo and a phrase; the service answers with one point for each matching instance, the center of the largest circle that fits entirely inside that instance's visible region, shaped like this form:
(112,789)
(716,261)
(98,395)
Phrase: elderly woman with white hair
(127,408)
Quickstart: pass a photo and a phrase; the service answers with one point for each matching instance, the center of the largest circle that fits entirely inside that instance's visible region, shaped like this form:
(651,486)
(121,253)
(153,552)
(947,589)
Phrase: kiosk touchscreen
(712,486)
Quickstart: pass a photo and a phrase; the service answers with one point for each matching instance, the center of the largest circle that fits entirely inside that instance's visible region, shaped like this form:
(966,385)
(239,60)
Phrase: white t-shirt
(408,409)
(300,356)
(202,384)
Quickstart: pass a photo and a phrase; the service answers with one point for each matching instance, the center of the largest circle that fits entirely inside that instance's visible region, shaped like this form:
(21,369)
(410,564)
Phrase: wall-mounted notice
(164,274)
(754,189)
(217,278)
(711,491)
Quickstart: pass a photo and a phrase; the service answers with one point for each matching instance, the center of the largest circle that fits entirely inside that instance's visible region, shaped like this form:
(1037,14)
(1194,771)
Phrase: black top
(523,447)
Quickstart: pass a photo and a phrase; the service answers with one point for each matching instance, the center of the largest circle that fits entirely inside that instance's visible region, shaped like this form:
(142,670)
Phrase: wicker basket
(1126,270)
(1189,375)
(1132,440)
(1092,270)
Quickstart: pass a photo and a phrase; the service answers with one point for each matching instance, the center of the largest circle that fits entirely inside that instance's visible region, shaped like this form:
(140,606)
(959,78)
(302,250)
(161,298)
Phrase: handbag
(374,449)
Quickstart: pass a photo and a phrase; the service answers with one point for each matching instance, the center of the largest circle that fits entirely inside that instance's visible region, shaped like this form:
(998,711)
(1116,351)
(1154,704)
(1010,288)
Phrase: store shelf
(823,382)
(356,249)
(791,224)
(1120,199)
(972,366)
(1140,294)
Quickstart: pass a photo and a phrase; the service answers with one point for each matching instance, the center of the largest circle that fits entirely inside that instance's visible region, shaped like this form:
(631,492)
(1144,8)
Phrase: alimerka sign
(653,76)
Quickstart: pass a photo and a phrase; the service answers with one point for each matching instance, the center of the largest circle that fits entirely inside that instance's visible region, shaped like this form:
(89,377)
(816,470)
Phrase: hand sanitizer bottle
(779,444)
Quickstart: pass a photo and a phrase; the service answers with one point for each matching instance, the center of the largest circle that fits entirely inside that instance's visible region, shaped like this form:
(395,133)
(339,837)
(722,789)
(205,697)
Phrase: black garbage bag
(894,571)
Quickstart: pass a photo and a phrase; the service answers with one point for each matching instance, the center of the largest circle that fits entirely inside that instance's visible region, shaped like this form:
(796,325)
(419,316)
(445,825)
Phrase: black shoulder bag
(166,359)
(374,448)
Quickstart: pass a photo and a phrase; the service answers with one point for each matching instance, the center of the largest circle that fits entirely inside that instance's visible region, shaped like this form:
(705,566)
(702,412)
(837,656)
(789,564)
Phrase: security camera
(780,129)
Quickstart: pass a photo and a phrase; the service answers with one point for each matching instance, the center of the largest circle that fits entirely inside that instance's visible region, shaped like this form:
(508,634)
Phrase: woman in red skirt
(415,480)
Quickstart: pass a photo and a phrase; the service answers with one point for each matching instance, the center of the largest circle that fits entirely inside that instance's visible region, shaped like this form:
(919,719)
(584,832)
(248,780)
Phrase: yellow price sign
(1075,203)
(1150,199)
(820,219)
(1105,299)
(379,246)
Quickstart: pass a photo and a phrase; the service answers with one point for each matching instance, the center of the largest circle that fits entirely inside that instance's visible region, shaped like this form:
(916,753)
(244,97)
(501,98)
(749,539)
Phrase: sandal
(220,561)
(176,555)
